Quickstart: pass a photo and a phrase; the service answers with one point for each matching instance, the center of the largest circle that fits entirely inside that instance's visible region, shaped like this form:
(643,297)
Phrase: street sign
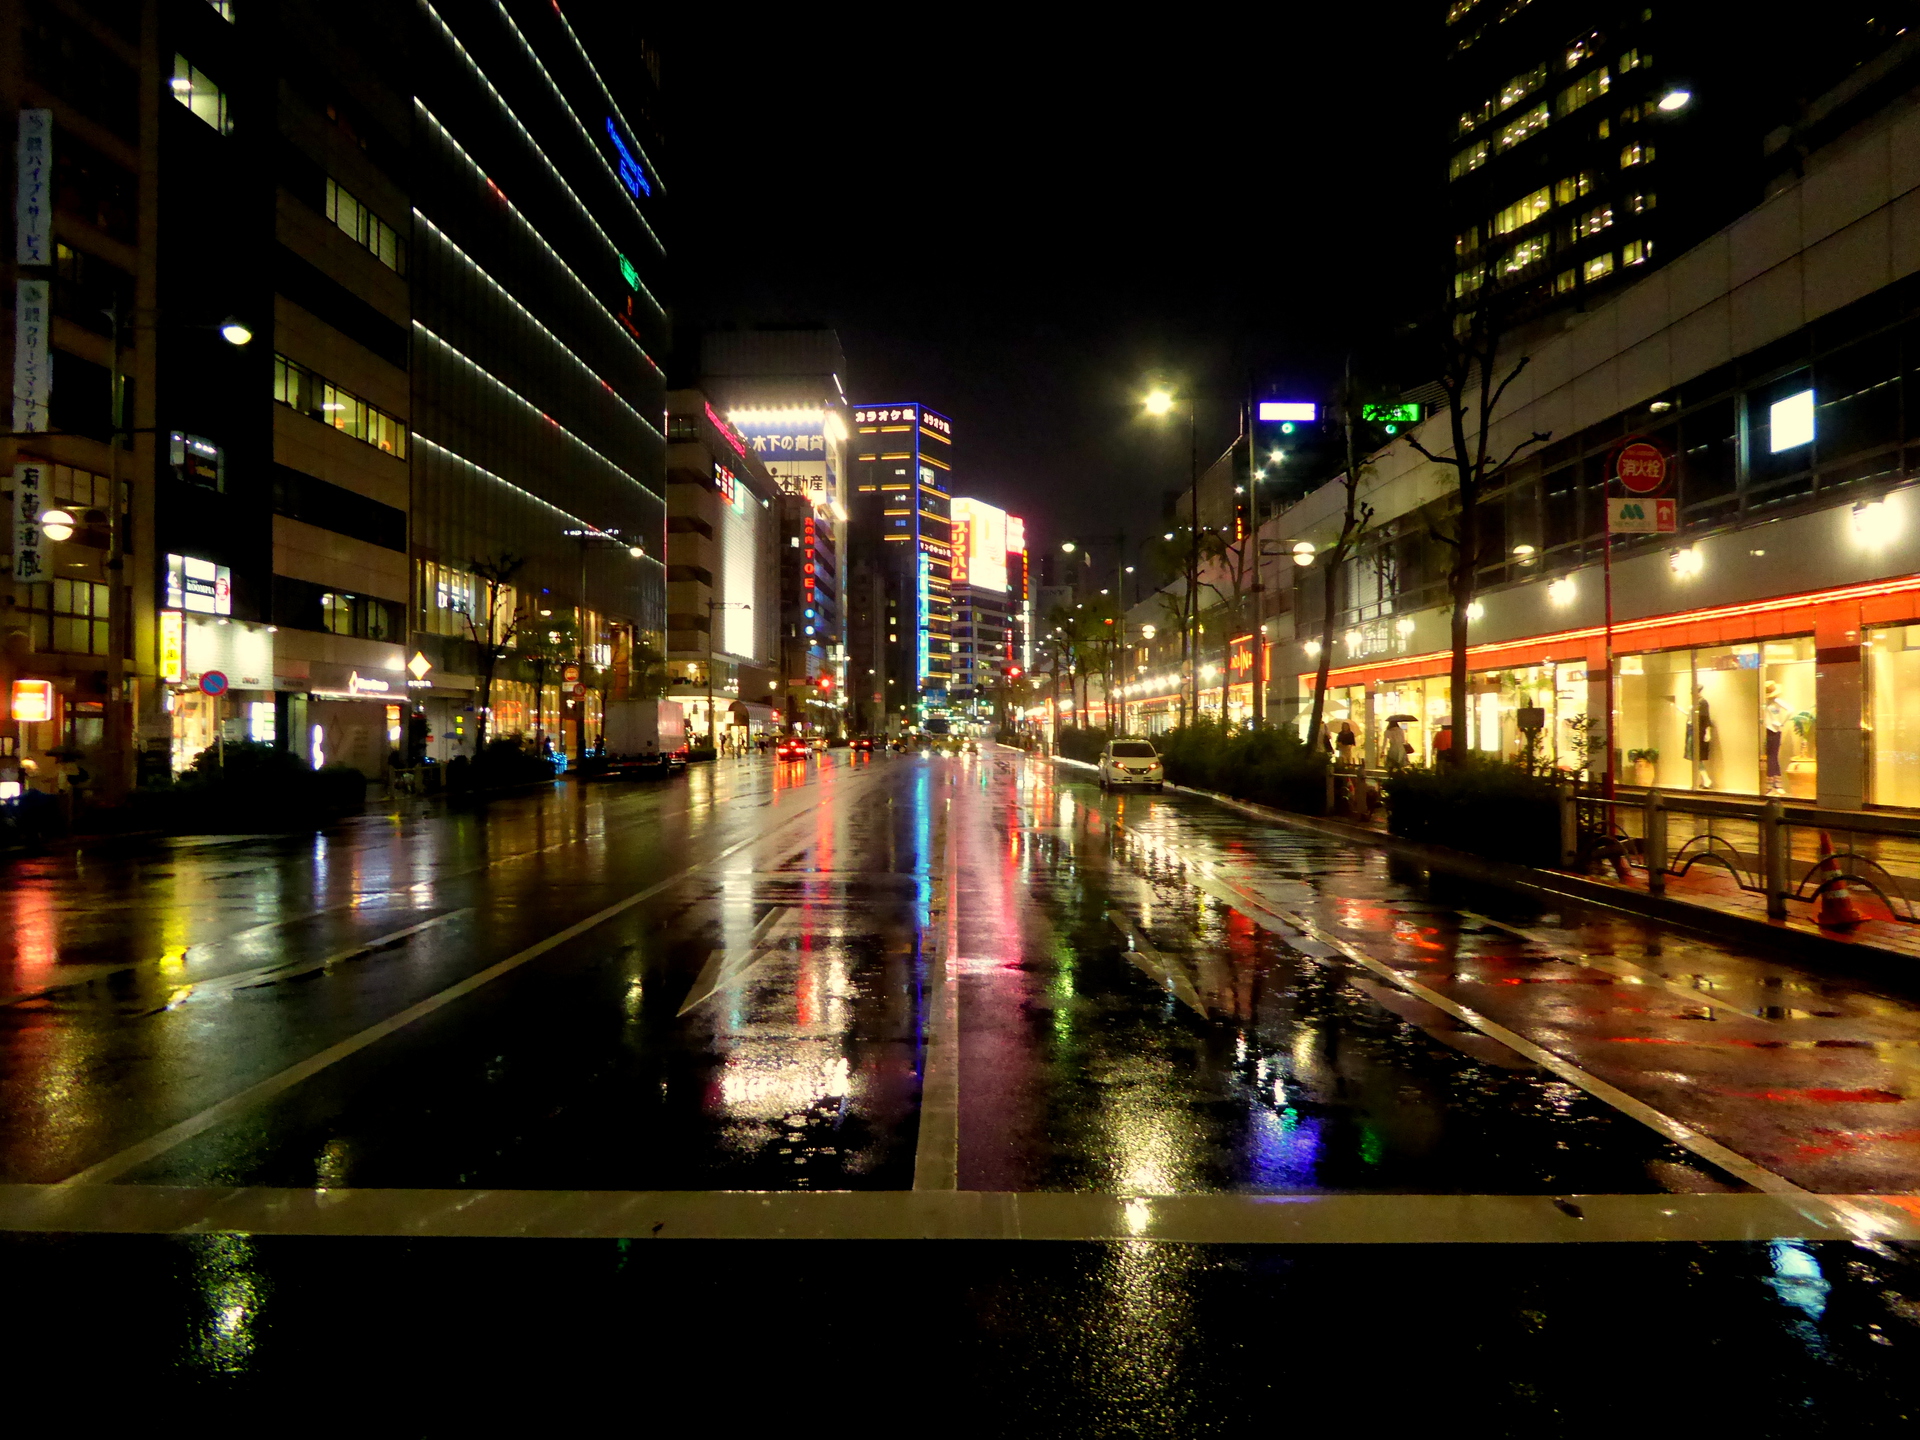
(1641,467)
(1641,517)
(213,683)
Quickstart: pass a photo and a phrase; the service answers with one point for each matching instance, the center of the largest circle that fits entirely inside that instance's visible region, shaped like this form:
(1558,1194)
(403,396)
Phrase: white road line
(723,967)
(936,1156)
(1163,969)
(1232,894)
(260,976)
(1215,1219)
(238,1104)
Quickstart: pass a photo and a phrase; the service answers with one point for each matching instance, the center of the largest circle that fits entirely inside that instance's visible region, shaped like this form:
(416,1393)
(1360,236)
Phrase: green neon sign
(633,275)
(1392,414)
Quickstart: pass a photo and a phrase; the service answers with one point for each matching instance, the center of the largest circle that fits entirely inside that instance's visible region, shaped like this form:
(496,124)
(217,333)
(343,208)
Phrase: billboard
(984,565)
(796,445)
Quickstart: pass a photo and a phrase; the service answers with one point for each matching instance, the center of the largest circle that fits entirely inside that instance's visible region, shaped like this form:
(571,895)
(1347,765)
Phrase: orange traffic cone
(1836,910)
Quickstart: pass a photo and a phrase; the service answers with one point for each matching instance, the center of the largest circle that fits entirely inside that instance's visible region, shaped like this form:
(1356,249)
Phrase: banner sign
(29,495)
(33,199)
(32,365)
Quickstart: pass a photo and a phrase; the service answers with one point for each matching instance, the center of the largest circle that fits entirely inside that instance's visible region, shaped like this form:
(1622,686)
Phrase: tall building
(1591,140)
(394,443)
(783,389)
(724,524)
(900,614)
(992,617)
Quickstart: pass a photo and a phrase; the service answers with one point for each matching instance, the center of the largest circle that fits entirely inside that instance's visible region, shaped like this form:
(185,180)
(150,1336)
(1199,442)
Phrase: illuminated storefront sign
(199,585)
(1240,659)
(173,645)
(1289,410)
(32,701)
(923,660)
(793,442)
(724,482)
(29,487)
(888,415)
(984,528)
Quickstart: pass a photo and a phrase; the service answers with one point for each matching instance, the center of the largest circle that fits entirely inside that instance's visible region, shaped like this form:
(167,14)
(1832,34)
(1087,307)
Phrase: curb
(1860,959)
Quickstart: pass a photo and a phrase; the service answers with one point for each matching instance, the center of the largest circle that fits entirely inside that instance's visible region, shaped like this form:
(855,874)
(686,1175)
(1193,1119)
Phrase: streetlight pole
(713,605)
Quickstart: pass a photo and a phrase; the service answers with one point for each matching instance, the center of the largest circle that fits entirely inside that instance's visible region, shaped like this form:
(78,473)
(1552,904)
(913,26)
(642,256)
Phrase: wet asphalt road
(918,981)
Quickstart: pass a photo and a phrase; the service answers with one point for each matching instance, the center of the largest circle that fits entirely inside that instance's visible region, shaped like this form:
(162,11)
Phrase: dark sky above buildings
(1022,219)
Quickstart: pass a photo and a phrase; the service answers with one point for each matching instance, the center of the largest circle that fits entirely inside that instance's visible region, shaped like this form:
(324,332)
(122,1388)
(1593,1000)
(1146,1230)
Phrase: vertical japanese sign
(29,481)
(32,365)
(33,200)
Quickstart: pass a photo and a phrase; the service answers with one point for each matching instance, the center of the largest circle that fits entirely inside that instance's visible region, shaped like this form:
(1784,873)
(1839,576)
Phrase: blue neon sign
(632,175)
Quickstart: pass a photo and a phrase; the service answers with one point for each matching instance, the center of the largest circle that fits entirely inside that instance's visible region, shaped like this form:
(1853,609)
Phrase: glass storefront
(1893,709)
(1733,718)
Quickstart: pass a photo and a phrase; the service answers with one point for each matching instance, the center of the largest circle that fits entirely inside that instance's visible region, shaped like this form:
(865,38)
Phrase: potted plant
(1644,763)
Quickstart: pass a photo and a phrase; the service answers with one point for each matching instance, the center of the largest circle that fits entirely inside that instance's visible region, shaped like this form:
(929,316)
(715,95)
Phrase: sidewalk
(1705,899)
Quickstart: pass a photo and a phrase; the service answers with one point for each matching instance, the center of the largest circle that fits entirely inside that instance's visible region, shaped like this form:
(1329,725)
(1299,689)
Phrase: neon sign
(631,174)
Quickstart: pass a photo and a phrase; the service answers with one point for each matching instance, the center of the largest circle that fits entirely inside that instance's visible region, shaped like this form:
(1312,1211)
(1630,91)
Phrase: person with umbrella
(1395,743)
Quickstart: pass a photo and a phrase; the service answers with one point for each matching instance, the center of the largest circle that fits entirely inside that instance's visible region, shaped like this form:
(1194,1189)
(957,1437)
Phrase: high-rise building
(782,389)
(1591,140)
(900,610)
(395,436)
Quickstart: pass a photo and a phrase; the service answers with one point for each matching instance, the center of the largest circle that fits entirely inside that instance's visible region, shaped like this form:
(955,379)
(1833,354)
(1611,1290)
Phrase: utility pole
(1193,571)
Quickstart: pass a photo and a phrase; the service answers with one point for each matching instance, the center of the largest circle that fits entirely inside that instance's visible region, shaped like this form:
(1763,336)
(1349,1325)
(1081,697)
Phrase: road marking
(1164,970)
(1218,1219)
(238,1104)
(723,967)
(936,1156)
(1283,921)
(261,976)
(87,974)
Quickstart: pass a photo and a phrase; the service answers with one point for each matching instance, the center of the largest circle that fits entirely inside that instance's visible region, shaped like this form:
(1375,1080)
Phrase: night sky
(1101,202)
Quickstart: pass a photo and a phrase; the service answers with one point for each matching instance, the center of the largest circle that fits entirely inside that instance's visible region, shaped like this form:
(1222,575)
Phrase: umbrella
(1403,719)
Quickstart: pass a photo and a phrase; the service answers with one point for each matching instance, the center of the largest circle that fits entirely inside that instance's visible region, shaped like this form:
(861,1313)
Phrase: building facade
(1763,646)
(900,614)
(992,614)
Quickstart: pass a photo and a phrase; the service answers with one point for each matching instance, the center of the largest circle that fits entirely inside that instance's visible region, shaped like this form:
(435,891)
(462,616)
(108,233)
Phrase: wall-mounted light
(1303,553)
(1524,554)
(1403,626)
(1476,611)
(1353,638)
(1660,407)
(1313,648)
(1562,591)
(57,524)
(1875,522)
(1686,563)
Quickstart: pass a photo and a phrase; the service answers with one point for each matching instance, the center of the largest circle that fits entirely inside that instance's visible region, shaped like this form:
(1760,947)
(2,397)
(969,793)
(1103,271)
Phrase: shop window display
(1734,718)
(1893,690)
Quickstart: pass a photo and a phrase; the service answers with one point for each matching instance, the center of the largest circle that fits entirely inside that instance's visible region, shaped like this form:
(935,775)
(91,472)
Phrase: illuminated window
(1588,87)
(1599,267)
(68,617)
(1572,188)
(1466,243)
(1636,251)
(193,89)
(222,8)
(1523,211)
(1580,50)
(1468,160)
(1639,204)
(1528,125)
(366,227)
(300,389)
(1523,257)
(1790,422)
(1563,282)
(1521,86)
(1593,222)
(1635,155)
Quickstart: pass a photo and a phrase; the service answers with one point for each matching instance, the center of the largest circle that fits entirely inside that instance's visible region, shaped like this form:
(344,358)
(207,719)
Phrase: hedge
(1481,806)
(1272,766)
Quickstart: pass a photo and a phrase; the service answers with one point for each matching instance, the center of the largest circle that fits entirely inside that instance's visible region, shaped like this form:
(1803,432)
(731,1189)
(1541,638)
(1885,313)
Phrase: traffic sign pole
(1641,466)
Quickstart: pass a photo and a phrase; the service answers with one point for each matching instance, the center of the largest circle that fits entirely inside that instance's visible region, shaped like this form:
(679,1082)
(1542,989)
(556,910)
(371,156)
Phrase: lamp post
(588,537)
(1120,572)
(1158,404)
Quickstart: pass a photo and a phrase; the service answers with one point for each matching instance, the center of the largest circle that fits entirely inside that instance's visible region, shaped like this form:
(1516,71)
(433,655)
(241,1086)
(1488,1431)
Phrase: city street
(952,1062)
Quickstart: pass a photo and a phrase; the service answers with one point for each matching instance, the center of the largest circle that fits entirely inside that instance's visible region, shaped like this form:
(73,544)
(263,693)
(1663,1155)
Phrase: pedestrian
(1443,744)
(1348,739)
(1394,742)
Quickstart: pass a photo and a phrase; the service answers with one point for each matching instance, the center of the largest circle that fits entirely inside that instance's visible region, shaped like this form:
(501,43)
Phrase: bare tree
(493,629)
(1470,377)
(1355,516)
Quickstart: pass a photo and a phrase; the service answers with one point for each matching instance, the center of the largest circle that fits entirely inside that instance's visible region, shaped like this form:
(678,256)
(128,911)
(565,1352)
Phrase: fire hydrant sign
(1635,516)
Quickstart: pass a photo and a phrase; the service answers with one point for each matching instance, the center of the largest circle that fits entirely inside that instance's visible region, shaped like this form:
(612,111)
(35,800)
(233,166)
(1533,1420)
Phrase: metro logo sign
(1641,517)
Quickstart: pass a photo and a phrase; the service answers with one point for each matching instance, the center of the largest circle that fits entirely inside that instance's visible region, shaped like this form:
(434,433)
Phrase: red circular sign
(213,683)
(1641,466)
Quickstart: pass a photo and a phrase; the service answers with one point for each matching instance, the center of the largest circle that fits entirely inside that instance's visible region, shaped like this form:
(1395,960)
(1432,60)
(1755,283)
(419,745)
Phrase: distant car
(863,742)
(1131,762)
(792,748)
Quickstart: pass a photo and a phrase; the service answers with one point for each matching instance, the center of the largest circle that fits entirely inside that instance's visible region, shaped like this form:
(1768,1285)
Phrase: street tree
(491,624)
(1470,378)
(1356,434)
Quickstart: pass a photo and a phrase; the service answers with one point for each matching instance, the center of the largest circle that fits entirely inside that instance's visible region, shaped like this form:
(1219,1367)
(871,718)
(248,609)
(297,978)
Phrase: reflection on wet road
(933,996)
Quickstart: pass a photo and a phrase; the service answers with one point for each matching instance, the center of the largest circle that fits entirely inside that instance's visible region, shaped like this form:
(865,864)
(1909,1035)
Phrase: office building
(992,617)
(1590,142)
(391,481)
(900,608)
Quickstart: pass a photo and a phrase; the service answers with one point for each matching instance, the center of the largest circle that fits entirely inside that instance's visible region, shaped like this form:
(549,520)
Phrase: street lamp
(235,331)
(713,605)
(1160,404)
(587,536)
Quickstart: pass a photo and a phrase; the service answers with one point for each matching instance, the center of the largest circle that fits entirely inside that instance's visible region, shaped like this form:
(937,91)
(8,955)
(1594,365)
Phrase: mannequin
(1700,737)
(1775,716)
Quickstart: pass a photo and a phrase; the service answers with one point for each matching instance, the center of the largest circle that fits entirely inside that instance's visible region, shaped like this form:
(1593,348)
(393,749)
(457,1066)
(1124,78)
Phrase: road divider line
(1285,922)
(936,1156)
(723,967)
(154,1146)
(1213,1219)
(1161,968)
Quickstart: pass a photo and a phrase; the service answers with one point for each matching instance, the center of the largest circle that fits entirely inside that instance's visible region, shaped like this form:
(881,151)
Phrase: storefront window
(1893,684)
(1737,718)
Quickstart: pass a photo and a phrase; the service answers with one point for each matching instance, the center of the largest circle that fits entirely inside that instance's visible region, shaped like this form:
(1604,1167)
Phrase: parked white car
(1131,762)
